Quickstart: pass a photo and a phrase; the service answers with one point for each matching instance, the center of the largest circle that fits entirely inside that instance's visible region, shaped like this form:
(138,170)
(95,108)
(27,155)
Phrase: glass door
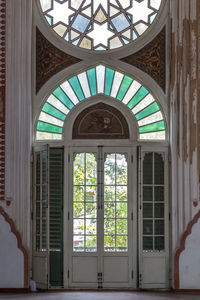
(103,218)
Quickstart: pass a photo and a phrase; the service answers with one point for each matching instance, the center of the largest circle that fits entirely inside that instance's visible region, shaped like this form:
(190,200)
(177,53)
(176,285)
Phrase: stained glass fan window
(100,24)
(106,81)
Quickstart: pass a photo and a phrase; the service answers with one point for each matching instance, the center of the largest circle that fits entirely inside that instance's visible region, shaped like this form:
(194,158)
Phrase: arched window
(101,183)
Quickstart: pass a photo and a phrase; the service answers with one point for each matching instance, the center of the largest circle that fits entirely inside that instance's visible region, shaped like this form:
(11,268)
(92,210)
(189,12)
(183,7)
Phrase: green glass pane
(158,126)
(138,97)
(91,194)
(121,225)
(121,193)
(158,169)
(124,87)
(159,193)
(78,193)
(91,168)
(91,226)
(159,210)
(109,226)
(79,168)
(78,243)
(121,169)
(109,243)
(147,243)
(121,210)
(76,87)
(108,80)
(91,209)
(42,126)
(78,210)
(159,243)
(109,169)
(148,168)
(109,193)
(152,108)
(37,209)
(122,243)
(109,210)
(147,210)
(37,226)
(91,243)
(78,226)
(38,168)
(59,93)
(147,193)
(92,81)
(147,227)
(37,193)
(49,109)
(159,227)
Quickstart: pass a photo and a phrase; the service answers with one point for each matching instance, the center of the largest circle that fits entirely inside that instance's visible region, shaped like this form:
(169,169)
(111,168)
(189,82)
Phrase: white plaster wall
(11,258)
(189,263)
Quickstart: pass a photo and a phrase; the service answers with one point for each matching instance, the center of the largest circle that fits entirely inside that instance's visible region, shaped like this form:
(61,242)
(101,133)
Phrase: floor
(85,295)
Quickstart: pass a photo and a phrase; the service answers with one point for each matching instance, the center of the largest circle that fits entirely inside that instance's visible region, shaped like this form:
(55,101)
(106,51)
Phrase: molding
(186,291)
(181,249)
(16,291)
(2,96)
(20,246)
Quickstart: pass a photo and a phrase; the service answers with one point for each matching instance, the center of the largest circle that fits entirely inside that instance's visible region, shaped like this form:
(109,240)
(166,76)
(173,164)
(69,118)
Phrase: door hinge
(132,274)
(68,216)
(131,158)
(68,274)
(32,215)
(169,216)
(68,158)
(132,216)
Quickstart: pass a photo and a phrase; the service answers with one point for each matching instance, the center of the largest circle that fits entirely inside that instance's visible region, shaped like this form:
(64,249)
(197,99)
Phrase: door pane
(115,203)
(85,202)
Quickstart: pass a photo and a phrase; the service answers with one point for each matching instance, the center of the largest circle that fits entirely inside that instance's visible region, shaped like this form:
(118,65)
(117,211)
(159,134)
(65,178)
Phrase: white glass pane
(61,12)
(69,92)
(45,4)
(100,78)
(125,3)
(60,29)
(140,11)
(84,84)
(57,104)
(151,119)
(142,104)
(159,135)
(116,84)
(76,3)
(131,92)
(141,28)
(47,136)
(49,119)
(155,3)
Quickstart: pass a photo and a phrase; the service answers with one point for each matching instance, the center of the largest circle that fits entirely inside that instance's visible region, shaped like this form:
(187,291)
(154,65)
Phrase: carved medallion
(100,121)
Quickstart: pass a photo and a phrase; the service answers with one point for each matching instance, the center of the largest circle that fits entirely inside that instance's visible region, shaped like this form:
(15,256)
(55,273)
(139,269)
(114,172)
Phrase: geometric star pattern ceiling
(101,80)
(100,24)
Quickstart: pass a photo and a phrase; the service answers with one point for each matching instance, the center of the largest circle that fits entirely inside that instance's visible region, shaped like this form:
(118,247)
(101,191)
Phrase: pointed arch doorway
(102,202)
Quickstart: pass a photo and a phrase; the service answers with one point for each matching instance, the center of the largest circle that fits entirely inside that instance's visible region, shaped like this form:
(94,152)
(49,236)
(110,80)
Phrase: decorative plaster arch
(101,80)
(19,245)
(182,248)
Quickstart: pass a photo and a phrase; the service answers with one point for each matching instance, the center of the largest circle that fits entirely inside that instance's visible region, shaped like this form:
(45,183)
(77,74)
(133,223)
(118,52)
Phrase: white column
(18,113)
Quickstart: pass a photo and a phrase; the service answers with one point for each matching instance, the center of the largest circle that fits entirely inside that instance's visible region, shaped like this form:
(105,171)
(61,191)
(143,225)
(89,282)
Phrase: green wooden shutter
(56,216)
